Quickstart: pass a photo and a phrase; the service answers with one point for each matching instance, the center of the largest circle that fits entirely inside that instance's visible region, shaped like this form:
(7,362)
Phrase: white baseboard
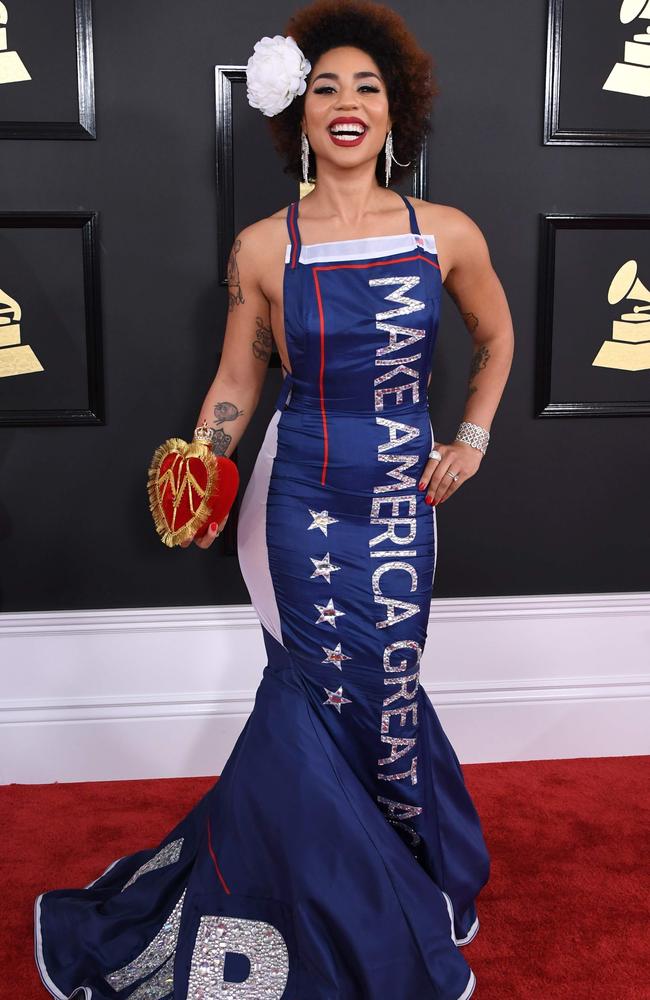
(164,692)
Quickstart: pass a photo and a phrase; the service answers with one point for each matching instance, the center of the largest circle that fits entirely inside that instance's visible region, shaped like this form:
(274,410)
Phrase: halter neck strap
(414,222)
(294,232)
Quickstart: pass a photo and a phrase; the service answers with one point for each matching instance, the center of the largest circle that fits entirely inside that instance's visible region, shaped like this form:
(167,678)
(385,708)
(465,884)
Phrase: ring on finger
(434,453)
(453,476)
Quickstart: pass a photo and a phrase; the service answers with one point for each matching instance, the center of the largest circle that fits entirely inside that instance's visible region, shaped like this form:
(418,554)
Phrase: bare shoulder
(446,218)
(262,242)
(458,236)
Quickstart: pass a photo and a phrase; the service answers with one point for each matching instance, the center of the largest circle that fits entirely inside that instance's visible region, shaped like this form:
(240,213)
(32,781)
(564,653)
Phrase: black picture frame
(550,226)
(84,125)
(225,78)
(553,133)
(93,412)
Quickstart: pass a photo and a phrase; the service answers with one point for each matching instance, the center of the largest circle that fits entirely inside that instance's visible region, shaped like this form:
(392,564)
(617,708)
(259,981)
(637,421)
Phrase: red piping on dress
(214,859)
(321,375)
(334,267)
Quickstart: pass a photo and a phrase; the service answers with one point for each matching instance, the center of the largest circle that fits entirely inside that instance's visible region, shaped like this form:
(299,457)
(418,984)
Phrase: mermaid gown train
(339,855)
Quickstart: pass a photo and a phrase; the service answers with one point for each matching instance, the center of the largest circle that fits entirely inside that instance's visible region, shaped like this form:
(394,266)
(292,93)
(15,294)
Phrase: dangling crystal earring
(304,147)
(388,152)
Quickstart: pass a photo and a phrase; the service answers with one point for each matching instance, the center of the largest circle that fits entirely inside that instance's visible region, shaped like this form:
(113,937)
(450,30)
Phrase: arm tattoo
(263,340)
(469,319)
(234,286)
(222,412)
(479,361)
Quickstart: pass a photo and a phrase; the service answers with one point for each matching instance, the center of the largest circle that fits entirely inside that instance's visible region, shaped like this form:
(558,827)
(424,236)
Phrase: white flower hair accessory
(275,74)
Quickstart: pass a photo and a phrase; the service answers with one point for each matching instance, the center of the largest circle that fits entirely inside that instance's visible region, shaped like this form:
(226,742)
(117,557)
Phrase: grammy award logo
(633,75)
(629,349)
(15,358)
(12,68)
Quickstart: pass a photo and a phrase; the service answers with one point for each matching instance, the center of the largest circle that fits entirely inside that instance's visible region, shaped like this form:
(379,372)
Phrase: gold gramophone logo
(629,348)
(15,358)
(632,76)
(12,68)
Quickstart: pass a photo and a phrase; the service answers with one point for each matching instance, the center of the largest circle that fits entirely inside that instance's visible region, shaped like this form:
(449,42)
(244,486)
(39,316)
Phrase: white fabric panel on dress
(252,549)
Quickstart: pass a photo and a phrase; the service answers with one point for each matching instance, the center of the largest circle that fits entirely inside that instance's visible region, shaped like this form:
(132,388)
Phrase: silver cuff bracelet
(472,434)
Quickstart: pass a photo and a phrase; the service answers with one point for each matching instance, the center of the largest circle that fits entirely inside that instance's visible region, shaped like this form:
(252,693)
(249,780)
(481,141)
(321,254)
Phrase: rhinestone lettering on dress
(407,305)
(394,543)
(260,942)
(399,435)
(403,481)
(160,986)
(167,855)
(153,956)
(400,337)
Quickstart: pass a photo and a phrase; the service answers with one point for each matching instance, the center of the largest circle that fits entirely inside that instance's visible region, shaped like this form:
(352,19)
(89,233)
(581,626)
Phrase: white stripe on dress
(362,249)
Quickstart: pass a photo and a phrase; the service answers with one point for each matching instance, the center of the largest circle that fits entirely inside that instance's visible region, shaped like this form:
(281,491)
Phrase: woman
(339,855)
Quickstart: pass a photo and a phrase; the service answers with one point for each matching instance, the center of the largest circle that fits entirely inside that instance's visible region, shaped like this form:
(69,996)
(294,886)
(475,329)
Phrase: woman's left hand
(458,457)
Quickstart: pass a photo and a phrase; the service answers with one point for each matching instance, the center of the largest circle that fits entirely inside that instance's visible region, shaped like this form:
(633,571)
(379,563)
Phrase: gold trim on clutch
(196,449)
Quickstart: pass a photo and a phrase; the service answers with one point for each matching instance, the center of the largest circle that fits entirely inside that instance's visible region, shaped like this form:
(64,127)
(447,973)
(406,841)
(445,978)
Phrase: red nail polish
(421,486)
(428,499)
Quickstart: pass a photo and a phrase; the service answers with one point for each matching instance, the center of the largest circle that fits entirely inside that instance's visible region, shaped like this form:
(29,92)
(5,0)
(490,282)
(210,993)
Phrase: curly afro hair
(406,68)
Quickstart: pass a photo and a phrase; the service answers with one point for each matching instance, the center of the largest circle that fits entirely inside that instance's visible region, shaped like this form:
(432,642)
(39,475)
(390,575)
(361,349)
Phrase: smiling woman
(340,854)
(402,74)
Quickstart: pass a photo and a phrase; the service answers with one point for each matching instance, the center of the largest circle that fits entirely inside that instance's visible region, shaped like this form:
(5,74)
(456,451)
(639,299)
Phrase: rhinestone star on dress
(323,567)
(335,655)
(328,613)
(321,520)
(336,698)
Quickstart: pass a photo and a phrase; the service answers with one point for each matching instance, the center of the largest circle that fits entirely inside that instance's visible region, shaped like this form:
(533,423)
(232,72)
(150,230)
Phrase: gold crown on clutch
(204,434)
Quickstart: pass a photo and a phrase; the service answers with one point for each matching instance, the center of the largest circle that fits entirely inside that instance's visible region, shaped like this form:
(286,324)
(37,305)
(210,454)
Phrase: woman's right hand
(207,539)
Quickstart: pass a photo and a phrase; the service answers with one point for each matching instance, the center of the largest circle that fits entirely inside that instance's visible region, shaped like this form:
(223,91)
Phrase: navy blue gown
(339,855)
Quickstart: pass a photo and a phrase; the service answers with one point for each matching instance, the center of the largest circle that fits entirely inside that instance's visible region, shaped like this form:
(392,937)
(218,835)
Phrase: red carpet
(563,917)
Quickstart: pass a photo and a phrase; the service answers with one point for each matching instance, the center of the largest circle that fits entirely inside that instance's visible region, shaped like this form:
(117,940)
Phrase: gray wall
(558,505)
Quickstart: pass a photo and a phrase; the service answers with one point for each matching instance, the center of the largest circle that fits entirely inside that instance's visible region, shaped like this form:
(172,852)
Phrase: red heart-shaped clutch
(189,486)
